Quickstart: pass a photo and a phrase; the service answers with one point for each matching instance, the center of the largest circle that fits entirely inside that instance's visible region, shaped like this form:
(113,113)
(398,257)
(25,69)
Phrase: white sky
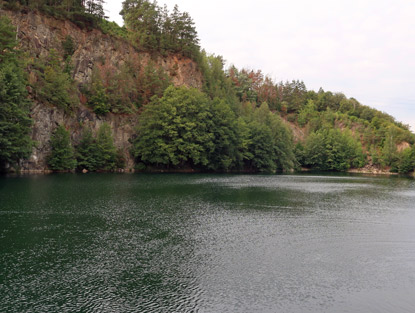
(363,48)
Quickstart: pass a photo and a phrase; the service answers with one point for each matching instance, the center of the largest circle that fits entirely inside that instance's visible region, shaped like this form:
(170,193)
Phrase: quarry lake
(207,243)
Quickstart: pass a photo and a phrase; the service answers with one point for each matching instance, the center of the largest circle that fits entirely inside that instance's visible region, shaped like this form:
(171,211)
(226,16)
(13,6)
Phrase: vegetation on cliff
(240,120)
(83,13)
(154,28)
(15,123)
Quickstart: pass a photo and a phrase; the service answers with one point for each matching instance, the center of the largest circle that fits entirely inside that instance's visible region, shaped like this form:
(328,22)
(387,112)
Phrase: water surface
(207,243)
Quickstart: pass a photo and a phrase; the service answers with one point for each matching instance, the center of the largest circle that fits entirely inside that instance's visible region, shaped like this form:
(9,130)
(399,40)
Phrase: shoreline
(365,170)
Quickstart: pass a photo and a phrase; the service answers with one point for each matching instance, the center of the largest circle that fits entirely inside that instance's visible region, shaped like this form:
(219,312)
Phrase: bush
(68,47)
(54,85)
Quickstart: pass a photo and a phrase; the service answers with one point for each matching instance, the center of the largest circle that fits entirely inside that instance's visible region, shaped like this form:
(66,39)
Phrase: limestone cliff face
(38,34)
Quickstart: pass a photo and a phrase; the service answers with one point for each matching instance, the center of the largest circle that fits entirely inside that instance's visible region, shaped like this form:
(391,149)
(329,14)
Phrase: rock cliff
(38,34)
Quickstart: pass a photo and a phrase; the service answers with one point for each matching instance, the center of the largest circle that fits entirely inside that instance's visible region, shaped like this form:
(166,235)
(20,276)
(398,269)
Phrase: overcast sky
(363,48)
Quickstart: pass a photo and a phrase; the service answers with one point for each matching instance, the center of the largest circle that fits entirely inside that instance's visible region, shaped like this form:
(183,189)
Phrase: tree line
(186,129)
(238,121)
(84,13)
(92,153)
(154,28)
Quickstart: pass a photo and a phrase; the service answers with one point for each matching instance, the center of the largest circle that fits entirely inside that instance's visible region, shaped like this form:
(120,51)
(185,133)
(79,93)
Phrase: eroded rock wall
(38,34)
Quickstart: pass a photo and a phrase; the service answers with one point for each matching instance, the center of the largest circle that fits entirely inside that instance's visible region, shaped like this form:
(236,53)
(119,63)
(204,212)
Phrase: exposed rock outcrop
(38,34)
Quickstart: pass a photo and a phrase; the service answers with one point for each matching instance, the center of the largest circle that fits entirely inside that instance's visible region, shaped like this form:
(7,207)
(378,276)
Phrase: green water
(207,243)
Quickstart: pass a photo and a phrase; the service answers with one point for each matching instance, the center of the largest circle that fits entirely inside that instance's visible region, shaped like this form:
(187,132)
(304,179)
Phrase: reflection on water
(207,243)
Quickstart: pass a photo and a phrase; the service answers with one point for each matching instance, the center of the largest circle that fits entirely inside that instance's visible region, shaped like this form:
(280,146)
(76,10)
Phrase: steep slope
(38,34)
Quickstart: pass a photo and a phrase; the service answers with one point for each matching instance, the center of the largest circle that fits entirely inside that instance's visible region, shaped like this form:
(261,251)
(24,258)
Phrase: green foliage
(54,85)
(83,13)
(261,149)
(95,8)
(186,129)
(270,142)
(98,153)
(153,28)
(68,46)
(62,156)
(173,130)
(126,89)
(106,157)
(333,150)
(122,89)
(152,81)
(406,161)
(231,125)
(307,113)
(282,141)
(7,40)
(216,83)
(113,29)
(98,99)
(389,151)
(15,123)
(85,151)
(245,83)
(294,94)
(226,142)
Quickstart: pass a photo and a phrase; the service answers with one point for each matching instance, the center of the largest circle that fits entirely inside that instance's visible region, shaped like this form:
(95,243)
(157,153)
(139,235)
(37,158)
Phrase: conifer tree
(15,122)
(62,156)
(85,151)
(106,156)
(99,153)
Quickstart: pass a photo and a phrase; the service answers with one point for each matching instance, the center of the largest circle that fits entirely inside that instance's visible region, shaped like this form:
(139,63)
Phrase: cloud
(362,48)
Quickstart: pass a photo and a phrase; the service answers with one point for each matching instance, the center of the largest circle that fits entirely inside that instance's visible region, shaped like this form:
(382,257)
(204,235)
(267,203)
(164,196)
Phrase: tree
(106,156)
(406,160)
(55,85)
(15,122)
(226,140)
(86,152)
(216,83)
(152,28)
(282,141)
(333,150)
(306,113)
(62,156)
(99,153)
(68,46)
(389,150)
(95,8)
(314,151)
(261,148)
(7,40)
(141,17)
(98,99)
(173,130)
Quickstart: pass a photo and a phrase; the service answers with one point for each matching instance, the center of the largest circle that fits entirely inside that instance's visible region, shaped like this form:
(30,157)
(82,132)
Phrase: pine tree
(95,154)
(15,122)
(62,156)
(86,152)
(7,40)
(106,155)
